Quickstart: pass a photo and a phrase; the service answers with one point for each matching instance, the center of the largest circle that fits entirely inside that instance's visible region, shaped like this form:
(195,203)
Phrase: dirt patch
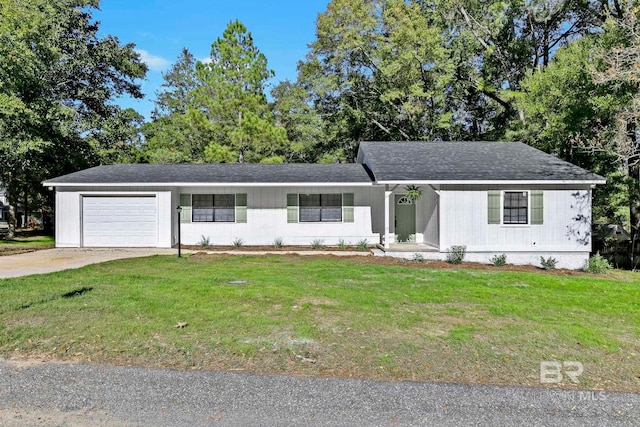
(426,264)
(318,301)
(29,416)
(10,250)
(269,248)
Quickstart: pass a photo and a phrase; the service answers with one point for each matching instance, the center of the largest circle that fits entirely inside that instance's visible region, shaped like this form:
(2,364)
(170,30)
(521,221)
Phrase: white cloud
(206,60)
(155,63)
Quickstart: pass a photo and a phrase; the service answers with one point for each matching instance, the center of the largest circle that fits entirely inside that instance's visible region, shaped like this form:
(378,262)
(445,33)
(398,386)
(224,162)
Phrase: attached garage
(119,221)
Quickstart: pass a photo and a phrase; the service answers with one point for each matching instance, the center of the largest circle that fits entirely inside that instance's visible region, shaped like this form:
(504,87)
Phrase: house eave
(207,184)
(492,182)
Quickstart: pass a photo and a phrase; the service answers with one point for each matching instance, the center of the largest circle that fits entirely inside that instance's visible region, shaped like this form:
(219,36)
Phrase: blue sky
(281,29)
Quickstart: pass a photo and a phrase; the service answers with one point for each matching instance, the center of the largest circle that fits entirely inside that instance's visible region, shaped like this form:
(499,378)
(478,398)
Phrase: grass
(26,241)
(355,317)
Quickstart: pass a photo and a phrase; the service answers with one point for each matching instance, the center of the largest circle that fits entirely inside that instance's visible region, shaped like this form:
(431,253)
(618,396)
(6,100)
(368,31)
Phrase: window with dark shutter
(213,208)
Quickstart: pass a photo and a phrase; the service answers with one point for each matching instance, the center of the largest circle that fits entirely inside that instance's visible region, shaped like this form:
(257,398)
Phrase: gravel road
(54,394)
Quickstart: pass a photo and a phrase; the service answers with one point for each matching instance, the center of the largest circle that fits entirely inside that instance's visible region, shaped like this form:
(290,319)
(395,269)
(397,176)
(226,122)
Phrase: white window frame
(213,222)
(528,223)
(321,222)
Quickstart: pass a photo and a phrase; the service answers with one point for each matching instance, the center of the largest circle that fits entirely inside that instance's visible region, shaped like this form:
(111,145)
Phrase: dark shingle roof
(473,161)
(216,173)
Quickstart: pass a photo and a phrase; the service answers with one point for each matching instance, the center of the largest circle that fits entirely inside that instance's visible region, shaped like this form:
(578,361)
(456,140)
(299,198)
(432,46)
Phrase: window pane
(202,214)
(309,200)
(331,200)
(224,200)
(202,200)
(309,214)
(331,214)
(515,207)
(224,215)
(320,207)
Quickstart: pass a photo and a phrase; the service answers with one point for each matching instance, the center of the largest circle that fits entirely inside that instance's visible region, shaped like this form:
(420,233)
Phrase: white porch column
(387,209)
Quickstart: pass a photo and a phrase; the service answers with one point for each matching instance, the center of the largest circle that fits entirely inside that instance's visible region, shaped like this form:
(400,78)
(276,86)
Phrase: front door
(405,220)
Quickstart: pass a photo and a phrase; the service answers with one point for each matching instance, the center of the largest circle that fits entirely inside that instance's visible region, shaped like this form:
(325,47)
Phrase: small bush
(456,254)
(498,260)
(204,241)
(363,245)
(238,242)
(317,243)
(342,244)
(277,242)
(597,264)
(417,257)
(548,263)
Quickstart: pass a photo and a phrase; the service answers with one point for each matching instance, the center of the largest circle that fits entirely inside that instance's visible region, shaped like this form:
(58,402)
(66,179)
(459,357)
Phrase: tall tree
(174,135)
(57,81)
(378,70)
(616,70)
(217,110)
(232,102)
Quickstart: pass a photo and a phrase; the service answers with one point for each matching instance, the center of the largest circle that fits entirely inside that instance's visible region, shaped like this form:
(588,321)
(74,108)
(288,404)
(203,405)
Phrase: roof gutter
(495,182)
(207,184)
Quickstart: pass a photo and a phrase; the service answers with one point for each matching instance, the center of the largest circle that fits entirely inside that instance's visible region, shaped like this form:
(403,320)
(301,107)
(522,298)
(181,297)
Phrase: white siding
(68,219)
(427,229)
(267,219)
(464,222)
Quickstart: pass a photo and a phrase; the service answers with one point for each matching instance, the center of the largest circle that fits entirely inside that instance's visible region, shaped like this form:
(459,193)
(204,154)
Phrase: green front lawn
(26,241)
(353,317)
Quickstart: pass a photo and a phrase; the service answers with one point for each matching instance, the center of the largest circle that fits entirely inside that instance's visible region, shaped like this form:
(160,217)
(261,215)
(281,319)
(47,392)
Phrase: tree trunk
(634,210)
(25,209)
(11,221)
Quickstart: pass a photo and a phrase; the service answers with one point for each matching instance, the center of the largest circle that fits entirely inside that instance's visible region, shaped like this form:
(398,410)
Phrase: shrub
(363,245)
(597,264)
(204,241)
(548,263)
(417,257)
(342,244)
(456,254)
(277,242)
(238,242)
(498,260)
(317,243)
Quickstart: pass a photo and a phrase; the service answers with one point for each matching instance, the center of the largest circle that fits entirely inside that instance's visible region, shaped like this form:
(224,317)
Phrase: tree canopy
(58,81)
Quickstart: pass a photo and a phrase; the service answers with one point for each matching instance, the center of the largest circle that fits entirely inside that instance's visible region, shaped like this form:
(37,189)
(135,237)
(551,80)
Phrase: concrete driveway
(50,260)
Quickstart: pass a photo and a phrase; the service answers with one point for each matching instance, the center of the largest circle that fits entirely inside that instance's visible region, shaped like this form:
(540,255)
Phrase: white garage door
(119,221)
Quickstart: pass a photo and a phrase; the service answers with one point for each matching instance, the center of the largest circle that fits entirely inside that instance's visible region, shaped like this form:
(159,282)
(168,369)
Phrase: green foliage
(417,257)
(342,244)
(363,245)
(230,95)
(499,260)
(597,264)
(317,244)
(455,254)
(238,242)
(548,263)
(278,242)
(413,192)
(217,111)
(377,72)
(58,81)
